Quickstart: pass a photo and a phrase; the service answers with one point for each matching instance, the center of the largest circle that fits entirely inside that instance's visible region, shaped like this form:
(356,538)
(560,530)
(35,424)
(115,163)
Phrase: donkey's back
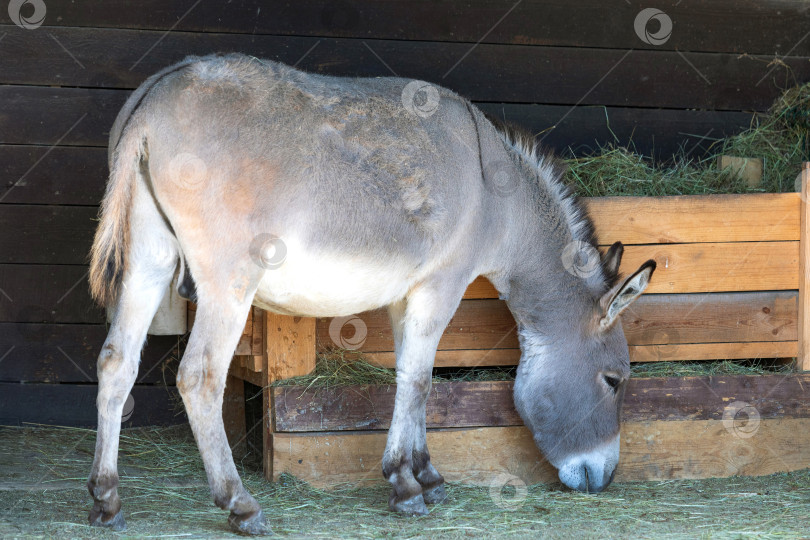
(360,190)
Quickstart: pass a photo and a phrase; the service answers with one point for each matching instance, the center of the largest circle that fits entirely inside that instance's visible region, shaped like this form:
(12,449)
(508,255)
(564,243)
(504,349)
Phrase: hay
(780,139)
(339,367)
(165,494)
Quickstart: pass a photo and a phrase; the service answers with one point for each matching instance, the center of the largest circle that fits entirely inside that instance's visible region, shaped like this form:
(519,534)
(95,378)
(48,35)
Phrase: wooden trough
(731,283)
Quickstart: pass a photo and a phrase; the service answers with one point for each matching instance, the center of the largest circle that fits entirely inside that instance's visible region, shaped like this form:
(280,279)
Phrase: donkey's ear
(619,297)
(613,259)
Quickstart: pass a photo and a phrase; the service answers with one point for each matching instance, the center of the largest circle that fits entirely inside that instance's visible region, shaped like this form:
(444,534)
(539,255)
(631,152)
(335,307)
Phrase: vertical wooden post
(804,268)
(233,415)
(289,351)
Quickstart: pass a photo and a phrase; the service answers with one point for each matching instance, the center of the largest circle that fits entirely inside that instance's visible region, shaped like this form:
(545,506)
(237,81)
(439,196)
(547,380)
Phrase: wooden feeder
(731,283)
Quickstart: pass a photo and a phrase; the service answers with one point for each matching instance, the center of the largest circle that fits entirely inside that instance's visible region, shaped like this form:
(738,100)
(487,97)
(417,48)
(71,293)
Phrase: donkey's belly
(318,286)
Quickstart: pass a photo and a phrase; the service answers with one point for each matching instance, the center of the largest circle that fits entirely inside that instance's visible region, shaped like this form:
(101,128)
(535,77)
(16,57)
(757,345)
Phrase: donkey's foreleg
(201,381)
(428,477)
(420,326)
(138,300)
(432,482)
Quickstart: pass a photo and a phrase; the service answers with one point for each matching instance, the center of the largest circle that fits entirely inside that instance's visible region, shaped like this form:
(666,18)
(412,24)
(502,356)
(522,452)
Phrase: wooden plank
(461,404)
(76,175)
(457,358)
(718,267)
(240,372)
(257,335)
(638,353)
(660,319)
(657,133)
(42,234)
(290,346)
(803,355)
(52,175)
(713,351)
(521,70)
(482,327)
(696,218)
(657,450)
(233,415)
(75,405)
(69,116)
(46,294)
(767,28)
(67,353)
(371,406)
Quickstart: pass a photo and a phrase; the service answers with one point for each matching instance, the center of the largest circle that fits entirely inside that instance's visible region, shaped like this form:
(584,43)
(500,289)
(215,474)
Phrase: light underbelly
(326,286)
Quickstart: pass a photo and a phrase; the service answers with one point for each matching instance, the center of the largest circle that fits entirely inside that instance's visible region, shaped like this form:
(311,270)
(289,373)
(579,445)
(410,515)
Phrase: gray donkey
(257,184)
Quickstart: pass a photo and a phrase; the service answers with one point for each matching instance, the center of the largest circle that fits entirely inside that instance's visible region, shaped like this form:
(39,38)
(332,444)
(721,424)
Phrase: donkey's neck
(553,270)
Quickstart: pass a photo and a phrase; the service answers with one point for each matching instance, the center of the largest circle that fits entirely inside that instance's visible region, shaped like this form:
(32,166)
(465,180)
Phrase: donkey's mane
(550,171)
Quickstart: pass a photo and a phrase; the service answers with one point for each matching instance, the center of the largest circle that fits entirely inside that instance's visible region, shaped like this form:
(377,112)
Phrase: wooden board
(656,450)
(718,267)
(67,353)
(696,218)
(290,346)
(481,404)
(49,293)
(654,319)
(659,133)
(638,353)
(52,175)
(46,234)
(766,28)
(75,405)
(803,354)
(713,351)
(521,70)
(77,174)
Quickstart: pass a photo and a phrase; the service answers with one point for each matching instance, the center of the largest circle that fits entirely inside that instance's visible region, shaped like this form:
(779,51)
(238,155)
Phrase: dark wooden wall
(576,72)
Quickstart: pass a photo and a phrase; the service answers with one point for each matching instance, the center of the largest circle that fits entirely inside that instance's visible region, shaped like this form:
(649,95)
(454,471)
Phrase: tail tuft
(110,245)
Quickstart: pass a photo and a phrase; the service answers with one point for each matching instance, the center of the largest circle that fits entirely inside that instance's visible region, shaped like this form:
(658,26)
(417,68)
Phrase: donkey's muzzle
(592,471)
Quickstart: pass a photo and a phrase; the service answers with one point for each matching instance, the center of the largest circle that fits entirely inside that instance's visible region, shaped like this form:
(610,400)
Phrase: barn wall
(578,73)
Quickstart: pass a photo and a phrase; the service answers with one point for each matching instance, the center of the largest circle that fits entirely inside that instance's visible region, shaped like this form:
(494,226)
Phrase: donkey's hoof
(116,523)
(435,494)
(415,506)
(251,524)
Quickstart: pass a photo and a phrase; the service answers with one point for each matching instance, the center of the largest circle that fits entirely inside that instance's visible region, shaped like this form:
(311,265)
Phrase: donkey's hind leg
(201,380)
(417,329)
(143,286)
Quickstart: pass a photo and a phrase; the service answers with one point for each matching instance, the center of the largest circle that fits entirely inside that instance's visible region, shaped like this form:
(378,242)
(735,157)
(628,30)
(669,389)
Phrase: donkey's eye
(613,382)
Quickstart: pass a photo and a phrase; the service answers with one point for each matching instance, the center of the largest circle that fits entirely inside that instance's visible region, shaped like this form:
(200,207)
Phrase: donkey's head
(571,379)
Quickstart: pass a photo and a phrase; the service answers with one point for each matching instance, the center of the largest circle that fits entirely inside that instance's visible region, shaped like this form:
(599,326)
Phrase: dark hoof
(117,523)
(252,524)
(434,495)
(415,506)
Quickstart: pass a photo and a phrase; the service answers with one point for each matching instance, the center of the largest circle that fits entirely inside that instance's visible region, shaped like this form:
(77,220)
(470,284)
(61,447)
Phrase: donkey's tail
(108,255)
(126,154)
